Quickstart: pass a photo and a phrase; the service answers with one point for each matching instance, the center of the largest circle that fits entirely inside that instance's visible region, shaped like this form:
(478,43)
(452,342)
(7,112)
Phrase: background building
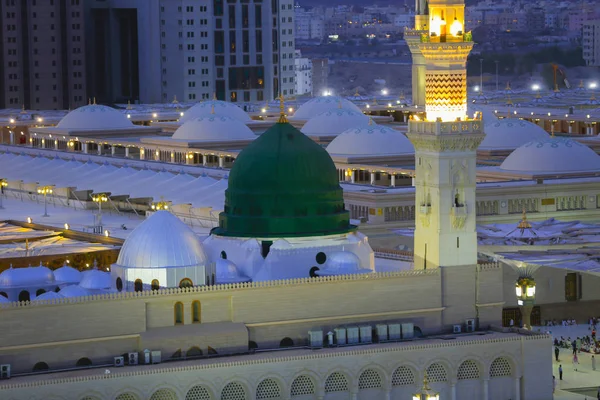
(591,43)
(304,79)
(42,51)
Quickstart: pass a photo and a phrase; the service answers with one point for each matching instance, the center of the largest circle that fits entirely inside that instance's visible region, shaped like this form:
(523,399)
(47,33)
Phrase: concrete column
(84,147)
(156,155)
(204,162)
(486,389)
(372,178)
(172,157)
(142,153)
(453,391)
(43,143)
(221,160)
(526,313)
(517,388)
(189,159)
(99,149)
(12,137)
(570,128)
(393,182)
(113,149)
(126,152)
(56,144)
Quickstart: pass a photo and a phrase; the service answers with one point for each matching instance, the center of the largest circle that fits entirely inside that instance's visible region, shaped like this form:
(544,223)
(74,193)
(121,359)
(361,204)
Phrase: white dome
(552,155)
(26,277)
(67,274)
(212,128)
(74,291)
(94,117)
(227,272)
(509,133)
(4,300)
(49,296)
(370,140)
(95,279)
(316,106)
(342,263)
(208,108)
(334,122)
(162,240)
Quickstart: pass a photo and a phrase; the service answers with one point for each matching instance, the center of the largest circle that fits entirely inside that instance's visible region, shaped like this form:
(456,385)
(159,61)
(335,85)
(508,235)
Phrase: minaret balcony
(459,215)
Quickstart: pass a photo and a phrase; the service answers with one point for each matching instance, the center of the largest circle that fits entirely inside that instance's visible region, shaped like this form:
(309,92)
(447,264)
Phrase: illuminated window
(178,313)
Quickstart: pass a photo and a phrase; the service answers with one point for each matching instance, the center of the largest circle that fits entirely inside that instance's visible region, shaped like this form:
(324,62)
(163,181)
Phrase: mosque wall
(495,363)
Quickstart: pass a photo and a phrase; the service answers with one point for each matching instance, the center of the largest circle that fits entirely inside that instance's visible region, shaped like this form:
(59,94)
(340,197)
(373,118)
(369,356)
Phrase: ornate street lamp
(45,190)
(426,393)
(525,291)
(160,205)
(3,184)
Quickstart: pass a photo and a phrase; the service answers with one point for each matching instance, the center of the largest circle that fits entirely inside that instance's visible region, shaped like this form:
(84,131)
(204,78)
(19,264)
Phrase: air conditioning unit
(156,357)
(4,371)
(133,359)
(340,336)
(382,332)
(394,332)
(366,334)
(119,361)
(470,325)
(457,329)
(408,330)
(353,335)
(315,338)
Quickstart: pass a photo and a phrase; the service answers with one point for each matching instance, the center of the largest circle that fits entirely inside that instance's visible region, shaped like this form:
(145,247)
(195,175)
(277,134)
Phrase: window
(185,283)
(138,285)
(155,285)
(196,312)
(178,313)
(119,284)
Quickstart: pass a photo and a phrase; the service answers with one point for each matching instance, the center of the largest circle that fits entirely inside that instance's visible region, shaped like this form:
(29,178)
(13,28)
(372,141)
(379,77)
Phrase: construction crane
(555,69)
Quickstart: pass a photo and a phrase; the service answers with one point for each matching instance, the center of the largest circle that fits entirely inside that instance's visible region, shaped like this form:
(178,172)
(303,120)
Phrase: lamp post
(99,198)
(160,205)
(45,190)
(3,184)
(525,291)
(426,393)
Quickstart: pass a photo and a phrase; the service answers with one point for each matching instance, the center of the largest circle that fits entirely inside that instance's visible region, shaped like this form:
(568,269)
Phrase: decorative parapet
(489,267)
(361,352)
(470,126)
(222,288)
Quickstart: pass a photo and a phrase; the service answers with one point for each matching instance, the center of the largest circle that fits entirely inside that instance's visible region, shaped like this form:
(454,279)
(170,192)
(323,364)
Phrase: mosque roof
(74,291)
(26,277)
(227,272)
(510,133)
(94,117)
(342,263)
(162,240)
(316,106)
(283,184)
(370,140)
(208,108)
(212,128)
(94,279)
(67,274)
(334,122)
(552,155)
(49,296)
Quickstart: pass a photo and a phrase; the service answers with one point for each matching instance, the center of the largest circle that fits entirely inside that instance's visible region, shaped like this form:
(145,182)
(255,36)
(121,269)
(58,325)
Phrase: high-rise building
(159,50)
(303,68)
(591,43)
(43,54)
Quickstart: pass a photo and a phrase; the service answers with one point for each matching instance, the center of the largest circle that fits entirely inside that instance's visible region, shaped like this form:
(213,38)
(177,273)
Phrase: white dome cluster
(213,128)
(509,134)
(208,108)
(371,140)
(318,105)
(334,122)
(94,117)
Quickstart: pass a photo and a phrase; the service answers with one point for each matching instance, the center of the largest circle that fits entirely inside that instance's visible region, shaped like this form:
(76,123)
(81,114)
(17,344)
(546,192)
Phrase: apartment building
(42,62)
(303,69)
(285,32)
(591,43)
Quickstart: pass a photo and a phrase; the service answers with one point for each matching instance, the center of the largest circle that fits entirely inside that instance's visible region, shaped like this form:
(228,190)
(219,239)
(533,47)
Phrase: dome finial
(89,101)
(282,117)
(370,120)
(214,95)
(129,104)
(94,101)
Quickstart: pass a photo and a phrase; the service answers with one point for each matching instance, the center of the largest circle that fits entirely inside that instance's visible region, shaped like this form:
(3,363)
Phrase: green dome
(283,184)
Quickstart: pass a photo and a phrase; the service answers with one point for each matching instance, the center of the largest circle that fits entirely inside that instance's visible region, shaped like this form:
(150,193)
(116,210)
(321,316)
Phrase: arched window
(39,291)
(211,351)
(24,295)
(41,366)
(194,352)
(138,285)
(84,362)
(119,284)
(186,283)
(155,284)
(196,312)
(286,342)
(178,313)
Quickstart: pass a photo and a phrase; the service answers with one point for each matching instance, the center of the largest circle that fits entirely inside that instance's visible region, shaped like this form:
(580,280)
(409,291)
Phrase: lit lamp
(525,291)
(456,29)
(99,198)
(45,190)
(159,205)
(426,393)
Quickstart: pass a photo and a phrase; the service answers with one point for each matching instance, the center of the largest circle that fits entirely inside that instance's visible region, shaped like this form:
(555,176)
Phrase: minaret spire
(282,117)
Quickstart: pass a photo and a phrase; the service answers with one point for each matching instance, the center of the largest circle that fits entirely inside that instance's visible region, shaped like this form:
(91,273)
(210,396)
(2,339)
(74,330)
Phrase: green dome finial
(282,117)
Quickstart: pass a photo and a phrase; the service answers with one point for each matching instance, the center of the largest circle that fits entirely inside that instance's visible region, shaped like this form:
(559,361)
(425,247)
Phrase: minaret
(413,38)
(445,145)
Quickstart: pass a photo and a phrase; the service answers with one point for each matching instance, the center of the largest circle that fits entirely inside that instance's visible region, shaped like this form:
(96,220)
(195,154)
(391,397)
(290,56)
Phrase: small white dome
(208,108)
(509,133)
(49,296)
(342,263)
(4,300)
(162,240)
(74,291)
(281,244)
(94,117)
(370,140)
(334,122)
(26,277)
(227,272)
(95,279)
(67,274)
(316,106)
(552,155)
(213,128)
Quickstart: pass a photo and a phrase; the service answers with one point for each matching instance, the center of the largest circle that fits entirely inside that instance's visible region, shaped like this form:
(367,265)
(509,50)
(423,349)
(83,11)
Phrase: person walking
(560,372)
(593,363)
(556,352)
(575,361)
